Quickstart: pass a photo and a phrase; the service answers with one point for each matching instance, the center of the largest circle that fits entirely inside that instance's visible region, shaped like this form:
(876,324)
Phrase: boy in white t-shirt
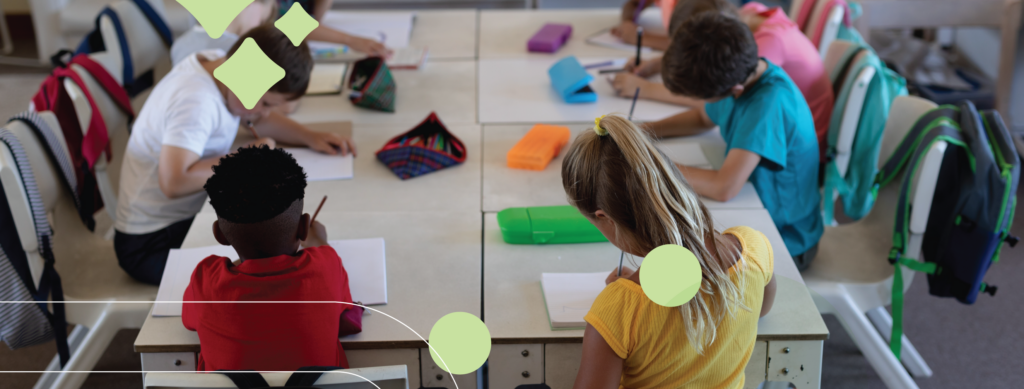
(188,123)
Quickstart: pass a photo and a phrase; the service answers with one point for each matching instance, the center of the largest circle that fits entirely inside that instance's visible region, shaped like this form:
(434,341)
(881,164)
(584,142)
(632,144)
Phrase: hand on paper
(317,235)
(648,68)
(330,143)
(369,46)
(625,85)
(625,31)
(614,275)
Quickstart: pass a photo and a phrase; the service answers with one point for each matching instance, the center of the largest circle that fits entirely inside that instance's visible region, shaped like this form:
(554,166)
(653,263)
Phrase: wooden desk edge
(552,340)
(371,345)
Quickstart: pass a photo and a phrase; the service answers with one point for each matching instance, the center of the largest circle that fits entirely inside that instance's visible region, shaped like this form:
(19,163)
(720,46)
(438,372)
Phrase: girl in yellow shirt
(639,200)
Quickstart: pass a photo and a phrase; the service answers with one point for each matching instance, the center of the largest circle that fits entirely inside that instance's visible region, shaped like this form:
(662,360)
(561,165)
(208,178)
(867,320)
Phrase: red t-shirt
(268,336)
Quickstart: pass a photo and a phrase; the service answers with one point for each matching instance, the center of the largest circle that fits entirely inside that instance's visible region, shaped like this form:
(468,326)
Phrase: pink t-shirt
(780,41)
(667,6)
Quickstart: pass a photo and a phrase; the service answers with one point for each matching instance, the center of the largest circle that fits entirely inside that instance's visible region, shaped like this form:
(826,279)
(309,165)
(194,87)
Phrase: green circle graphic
(670,275)
(463,341)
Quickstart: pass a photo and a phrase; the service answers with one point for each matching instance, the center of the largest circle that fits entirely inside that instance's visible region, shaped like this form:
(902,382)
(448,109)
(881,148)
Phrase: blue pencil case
(572,81)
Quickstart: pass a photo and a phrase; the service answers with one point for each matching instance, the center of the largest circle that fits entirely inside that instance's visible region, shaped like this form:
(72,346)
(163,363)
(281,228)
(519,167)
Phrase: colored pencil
(318,210)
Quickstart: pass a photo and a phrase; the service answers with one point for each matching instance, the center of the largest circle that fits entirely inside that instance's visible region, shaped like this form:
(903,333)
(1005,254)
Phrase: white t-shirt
(185,110)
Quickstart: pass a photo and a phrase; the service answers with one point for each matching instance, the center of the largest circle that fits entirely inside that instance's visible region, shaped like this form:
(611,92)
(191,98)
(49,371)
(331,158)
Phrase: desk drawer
(511,365)
(169,361)
(561,363)
(435,377)
(410,357)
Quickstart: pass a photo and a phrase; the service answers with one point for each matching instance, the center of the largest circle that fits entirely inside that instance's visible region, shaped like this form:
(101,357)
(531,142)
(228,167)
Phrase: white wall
(15,6)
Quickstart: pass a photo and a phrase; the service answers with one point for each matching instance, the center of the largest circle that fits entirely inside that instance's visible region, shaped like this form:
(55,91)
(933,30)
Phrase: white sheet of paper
(327,78)
(408,58)
(568,296)
(322,167)
(363,260)
(687,154)
(393,29)
(606,39)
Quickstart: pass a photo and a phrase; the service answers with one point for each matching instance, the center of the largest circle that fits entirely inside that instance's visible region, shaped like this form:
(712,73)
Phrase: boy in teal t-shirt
(764,119)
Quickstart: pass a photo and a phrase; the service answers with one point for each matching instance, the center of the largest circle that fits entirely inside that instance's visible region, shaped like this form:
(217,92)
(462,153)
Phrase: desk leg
(561,363)
(435,377)
(511,365)
(796,361)
(410,357)
(757,367)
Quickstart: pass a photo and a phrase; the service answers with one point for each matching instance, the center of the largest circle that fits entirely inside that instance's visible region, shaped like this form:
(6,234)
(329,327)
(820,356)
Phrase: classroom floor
(966,346)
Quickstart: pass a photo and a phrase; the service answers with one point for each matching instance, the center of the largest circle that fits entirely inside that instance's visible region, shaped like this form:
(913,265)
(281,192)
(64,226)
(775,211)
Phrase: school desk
(433,268)
(448,87)
(504,187)
(518,90)
(504,33)
(447,34)
(526,350)
(374,188)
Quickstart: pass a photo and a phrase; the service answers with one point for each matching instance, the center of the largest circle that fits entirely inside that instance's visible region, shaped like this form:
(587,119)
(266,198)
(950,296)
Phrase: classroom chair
(851,113)
(851,277)
(384,377)
(819,20)
(87,264)
(108,173)
(61,24)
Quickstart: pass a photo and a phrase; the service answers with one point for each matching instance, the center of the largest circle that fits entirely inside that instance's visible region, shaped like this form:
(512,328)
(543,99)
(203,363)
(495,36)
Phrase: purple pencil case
(550,38)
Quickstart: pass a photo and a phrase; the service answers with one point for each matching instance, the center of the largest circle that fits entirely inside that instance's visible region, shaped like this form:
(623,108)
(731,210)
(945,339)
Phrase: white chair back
(830,32)
(384,377)
(823,13)
(48,182)
(855,97)
(148,50)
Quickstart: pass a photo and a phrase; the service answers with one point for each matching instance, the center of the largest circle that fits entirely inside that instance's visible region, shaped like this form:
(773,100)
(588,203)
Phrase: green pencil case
(547,225)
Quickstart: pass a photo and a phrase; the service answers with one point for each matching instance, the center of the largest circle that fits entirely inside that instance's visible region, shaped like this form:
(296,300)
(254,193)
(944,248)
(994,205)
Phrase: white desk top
(431,272)
(447,34)
(504,33)
(448,87)
(504,187)
(518,90)
(514,306)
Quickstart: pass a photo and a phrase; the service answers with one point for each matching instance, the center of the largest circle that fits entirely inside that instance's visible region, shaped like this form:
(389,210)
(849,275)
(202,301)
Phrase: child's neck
(245,255)
(762,66)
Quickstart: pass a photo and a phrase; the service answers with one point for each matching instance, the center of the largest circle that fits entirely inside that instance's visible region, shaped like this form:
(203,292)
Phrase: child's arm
(769,297)
(626,32)
(180,172)
(327,34)
(317,236)
(625,85)
(724,184)
(286,130)
(692,122)
(600,367)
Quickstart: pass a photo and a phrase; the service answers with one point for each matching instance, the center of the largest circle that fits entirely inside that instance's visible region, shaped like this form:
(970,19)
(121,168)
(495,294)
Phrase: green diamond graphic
(296,24)
(215,15)
(249,73)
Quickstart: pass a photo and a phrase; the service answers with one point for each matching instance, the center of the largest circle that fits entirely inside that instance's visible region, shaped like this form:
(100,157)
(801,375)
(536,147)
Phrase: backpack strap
(94,43)
(246,379)
(95,140)
(54,149)
(307,376)
(950,133)
(158,22)
(100,74)
(943,115)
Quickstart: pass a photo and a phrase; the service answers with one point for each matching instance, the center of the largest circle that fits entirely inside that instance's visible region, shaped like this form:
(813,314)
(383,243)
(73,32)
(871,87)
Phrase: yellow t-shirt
(652,339)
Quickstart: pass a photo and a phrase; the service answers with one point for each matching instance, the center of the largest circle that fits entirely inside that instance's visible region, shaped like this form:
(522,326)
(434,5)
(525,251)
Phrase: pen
(318,210)
(606,71)
(635,95)
(621,254)
(252,129)
(639,41)
(599,65)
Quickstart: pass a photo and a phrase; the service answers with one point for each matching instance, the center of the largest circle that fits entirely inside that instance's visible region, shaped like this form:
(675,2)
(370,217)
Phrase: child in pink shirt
(778,39)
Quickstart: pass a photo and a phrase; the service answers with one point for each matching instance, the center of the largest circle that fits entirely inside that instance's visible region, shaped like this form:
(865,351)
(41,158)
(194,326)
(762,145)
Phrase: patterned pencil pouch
(372,85)
(426,148)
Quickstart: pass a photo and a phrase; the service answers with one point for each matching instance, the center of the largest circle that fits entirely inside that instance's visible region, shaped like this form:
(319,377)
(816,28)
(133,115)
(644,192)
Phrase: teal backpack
(972,206)
(855,188)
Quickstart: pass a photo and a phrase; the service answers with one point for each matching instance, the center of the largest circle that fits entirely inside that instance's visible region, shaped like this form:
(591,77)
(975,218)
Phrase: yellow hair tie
(597,126)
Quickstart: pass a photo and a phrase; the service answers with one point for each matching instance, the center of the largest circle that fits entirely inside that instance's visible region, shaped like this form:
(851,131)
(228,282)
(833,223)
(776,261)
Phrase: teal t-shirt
(771,119)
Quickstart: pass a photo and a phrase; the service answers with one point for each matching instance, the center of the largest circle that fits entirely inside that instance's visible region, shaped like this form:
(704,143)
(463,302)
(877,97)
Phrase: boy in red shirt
(257,193)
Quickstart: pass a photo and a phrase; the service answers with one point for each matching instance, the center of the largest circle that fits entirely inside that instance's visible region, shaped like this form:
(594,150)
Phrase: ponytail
(623,174)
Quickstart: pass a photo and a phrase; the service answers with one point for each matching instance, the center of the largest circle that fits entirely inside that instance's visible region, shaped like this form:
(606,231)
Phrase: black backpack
(972,206)
(303,378)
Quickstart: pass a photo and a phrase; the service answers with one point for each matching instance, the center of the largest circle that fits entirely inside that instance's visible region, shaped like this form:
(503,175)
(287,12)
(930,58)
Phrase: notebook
(686,154)
(327,79)
(393,29)
(363,260)
(322,167)
(606,39)
(568,297)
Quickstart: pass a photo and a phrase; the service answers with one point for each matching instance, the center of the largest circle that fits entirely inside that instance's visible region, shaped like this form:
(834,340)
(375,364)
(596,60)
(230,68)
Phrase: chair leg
(870,343)
(909,355)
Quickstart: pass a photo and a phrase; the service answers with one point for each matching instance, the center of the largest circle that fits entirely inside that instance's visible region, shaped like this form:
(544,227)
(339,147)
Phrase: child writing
(638,199)
(778,39)
(189,121)
(766,124)
(318,9)
(257,194)
(631,9)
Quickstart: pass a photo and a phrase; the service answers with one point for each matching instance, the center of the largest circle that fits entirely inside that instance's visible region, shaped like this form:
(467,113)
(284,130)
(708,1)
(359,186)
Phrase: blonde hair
(626,176)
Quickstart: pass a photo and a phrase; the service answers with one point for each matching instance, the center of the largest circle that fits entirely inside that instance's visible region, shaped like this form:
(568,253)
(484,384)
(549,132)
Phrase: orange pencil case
(536,150)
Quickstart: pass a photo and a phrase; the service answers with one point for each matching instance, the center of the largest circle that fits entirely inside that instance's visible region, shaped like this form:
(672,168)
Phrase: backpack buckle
(894,256)
(990,289)
(1011,240)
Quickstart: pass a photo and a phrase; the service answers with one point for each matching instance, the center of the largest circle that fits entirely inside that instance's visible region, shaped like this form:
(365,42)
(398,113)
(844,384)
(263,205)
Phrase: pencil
(252,129)
(318,210)
(621,254)
(635,95)
(639,42)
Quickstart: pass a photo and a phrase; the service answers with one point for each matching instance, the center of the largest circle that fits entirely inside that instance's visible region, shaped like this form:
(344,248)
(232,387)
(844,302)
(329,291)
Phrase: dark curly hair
(708,55)
(255,184)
